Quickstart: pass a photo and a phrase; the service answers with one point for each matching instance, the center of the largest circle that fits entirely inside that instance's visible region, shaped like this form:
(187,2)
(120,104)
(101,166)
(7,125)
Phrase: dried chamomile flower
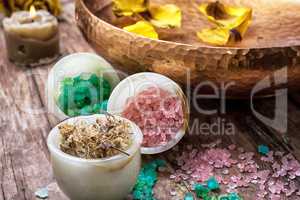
(104,138)
(129,7)
(165,16)
(232,23)
(142,28)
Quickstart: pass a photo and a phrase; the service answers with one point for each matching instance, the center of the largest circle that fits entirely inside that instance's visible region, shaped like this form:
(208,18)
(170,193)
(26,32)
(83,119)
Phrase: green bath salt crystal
(201,190)
(84,95)
(213,184)
(230,196)
(188,196)
(263,149)
(146,181)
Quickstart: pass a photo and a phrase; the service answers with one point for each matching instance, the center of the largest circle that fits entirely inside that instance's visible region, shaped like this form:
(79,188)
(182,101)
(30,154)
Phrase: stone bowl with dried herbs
(95,157)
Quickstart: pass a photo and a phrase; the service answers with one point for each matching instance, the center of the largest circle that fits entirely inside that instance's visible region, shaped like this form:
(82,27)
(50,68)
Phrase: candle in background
(31,37)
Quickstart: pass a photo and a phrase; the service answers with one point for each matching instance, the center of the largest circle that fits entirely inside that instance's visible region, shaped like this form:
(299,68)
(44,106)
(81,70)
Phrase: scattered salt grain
(218,162)
(42,193)
(232,147)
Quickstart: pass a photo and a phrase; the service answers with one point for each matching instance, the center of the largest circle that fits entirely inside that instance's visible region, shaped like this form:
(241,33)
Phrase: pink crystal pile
(158,113)
(274,175)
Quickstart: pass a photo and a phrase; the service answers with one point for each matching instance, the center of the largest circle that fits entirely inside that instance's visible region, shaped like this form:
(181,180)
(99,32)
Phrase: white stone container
(110,178)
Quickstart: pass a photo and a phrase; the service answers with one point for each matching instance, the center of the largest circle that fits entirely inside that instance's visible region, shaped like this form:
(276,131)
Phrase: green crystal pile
(83,95)
(143,189)
(204,191)
(263,149)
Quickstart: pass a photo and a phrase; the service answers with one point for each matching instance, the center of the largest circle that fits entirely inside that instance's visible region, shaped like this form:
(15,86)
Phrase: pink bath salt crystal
(279,153)
(281,172)
(263,175)
(273,189)
(225,172)
(225,182)
(248,155)
(269,157)
(233,162)
(172,176)
(193,153)
(219,178)
(292,188)
(235,179)
(262,194)
(242,183)
(158,113)
(241,150)
(262,187)
(220,157)
(252,168)
(293,165)
(232,147)
(232,186)
(203,173)
(242,157)
(241,167)
(292,176)
(275,197)
(276,166)
(297,173)
(277,188)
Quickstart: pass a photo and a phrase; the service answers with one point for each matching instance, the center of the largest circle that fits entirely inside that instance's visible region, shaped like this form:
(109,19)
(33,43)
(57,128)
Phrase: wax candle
(31,37)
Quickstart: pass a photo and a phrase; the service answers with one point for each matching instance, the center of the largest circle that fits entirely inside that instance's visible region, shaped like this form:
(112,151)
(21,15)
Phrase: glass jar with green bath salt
(84,94)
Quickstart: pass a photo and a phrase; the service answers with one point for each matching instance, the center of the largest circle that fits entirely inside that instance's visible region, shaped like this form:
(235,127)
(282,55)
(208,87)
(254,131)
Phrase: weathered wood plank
(24,156)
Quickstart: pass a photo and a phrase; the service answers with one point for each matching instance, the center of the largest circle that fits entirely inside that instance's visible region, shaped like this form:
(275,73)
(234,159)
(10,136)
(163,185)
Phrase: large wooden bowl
(271,43)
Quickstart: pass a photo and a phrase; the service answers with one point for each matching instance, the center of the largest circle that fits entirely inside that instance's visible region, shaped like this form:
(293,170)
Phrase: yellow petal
(165,16)
(220,36)
(54,6)
(1,7)
(129,7)
(216,36)
(142,28)
(232,23)
(227,16)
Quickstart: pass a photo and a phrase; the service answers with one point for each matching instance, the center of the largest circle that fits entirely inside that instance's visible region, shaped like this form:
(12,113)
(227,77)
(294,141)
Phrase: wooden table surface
(25,123)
